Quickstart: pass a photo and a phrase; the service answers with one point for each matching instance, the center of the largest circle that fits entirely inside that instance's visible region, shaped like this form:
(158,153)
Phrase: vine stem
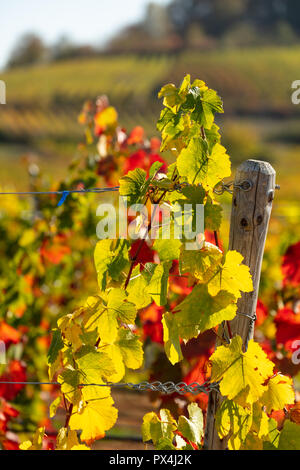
(68,415)
(135,258)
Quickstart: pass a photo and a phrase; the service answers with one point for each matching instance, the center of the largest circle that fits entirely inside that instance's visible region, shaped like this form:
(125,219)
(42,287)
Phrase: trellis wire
(166,388)
(219,189)
(60,192)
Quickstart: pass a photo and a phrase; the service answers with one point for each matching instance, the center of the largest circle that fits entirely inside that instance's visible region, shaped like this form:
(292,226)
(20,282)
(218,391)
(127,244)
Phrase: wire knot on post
(229,187)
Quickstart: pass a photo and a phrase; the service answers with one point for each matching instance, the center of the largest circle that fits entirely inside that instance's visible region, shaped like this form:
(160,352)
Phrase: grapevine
(98,342)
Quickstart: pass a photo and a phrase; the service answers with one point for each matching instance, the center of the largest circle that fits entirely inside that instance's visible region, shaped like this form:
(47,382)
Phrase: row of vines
(145,309)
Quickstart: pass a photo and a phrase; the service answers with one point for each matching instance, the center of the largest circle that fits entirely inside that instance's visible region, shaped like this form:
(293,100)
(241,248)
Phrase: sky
(83,21)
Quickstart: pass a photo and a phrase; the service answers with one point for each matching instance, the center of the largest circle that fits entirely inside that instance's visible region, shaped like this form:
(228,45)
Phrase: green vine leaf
(289,437)
(95,367)
(56,345)
(111,258)
(133,186)
(197,313)
(201,167)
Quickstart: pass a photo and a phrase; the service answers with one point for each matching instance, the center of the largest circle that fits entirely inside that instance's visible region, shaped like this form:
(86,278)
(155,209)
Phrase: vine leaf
(67,440)
(279,393)
(137,289)
(107,313)
(201,167)
(70,330)
(150,284)
(232,277)
(242,374)
(69,380)
(234,421)
(208,103)
(172,127)
(133,186)
(37,441)
(56,345)
(171,338)
(167,250)
(94,418)
(289,437)
(117,309)
(192,428)
(54,406)
(197,313)
(94,366)
(111,257)
(260,424)
(127,351)
(159,429)
(157,278)
(202,263)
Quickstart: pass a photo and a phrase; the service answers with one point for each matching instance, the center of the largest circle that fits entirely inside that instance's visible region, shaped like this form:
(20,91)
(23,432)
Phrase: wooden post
(253,194)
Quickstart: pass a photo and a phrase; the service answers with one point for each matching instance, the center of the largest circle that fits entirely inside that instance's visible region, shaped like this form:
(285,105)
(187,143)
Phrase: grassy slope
(264,74)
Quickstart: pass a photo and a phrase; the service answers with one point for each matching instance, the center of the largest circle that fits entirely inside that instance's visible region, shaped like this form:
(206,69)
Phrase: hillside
(43,102)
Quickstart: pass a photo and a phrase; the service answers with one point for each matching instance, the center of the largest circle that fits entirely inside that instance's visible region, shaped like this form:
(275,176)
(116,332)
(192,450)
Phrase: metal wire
(219,189)
(252,320)
(61,192)
(166,388)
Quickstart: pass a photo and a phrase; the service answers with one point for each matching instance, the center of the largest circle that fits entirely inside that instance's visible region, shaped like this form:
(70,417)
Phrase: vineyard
(40,117)
(85,317)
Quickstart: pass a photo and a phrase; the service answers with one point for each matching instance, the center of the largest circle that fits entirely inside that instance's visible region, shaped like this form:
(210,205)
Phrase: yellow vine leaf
(279,393)
(117,309)
(37,441)
(138,289)
(69,380)
(260,424)
(157,428)
(150,284)
(171,338)
(127,351)
(242,374)
(234,421)
(54,405)
(68,440)
(70,330)
(200,263)
(108,312)
(94,418)
(171,96)
(94,366)
(232,277)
